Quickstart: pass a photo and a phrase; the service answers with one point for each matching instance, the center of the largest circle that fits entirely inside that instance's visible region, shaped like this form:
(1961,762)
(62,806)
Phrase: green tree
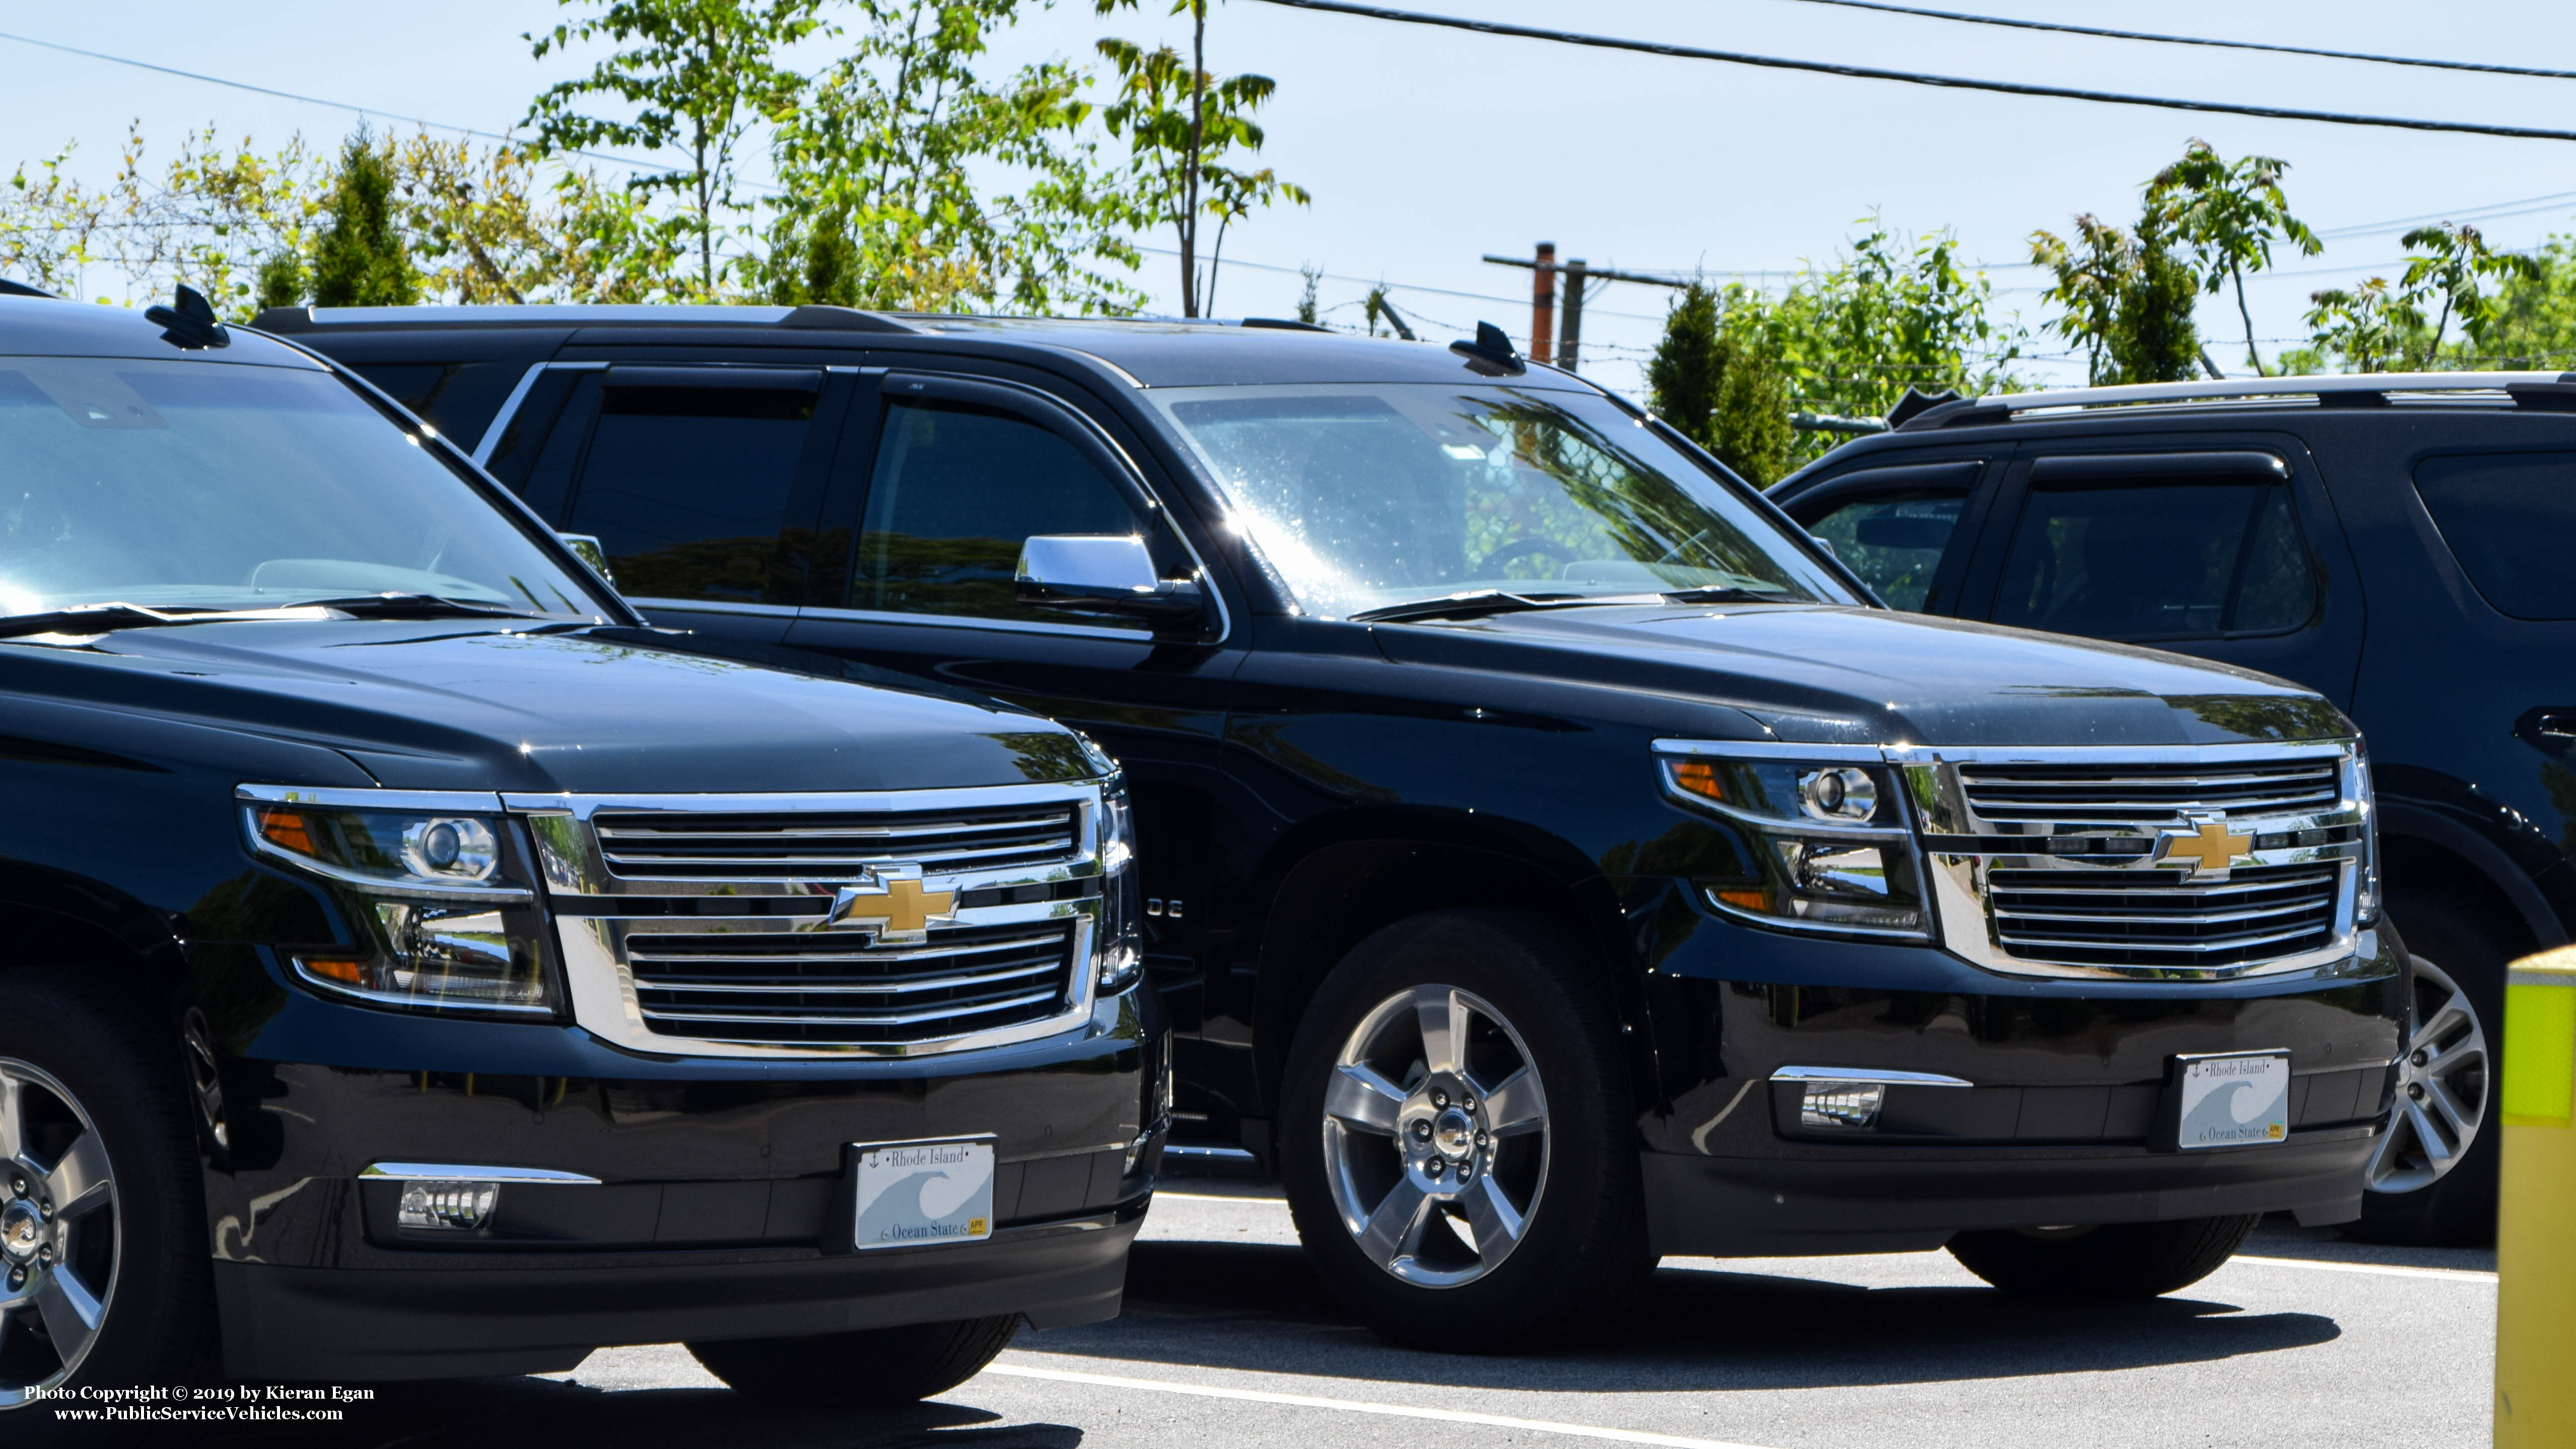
(2229,213)
(2152,336)
(1306,308)
(2532,321)
(1887,315)
(360,259)
(2088,279)
(879,166)
(1178,121)
(1710,379)
(699,76)
(2455,260)
(2364,327)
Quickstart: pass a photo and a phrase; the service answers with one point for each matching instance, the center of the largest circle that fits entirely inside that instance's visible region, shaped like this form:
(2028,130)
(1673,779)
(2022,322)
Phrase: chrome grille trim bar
(622,994)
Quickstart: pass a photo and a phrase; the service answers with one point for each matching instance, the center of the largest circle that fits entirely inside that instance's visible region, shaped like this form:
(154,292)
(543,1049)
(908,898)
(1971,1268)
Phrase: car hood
(465,705)
(1822,674)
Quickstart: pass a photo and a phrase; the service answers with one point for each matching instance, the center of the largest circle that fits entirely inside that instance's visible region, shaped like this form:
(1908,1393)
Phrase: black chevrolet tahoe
(1552,858)
(416,965)
(2398,543)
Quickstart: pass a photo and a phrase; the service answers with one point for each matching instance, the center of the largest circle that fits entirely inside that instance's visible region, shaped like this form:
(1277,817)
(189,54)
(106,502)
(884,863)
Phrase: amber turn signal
(286,830)
(1700,778)
(347,970)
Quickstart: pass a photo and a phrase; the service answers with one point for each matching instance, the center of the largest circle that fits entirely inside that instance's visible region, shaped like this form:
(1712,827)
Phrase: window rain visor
(191,485)
(1362,496)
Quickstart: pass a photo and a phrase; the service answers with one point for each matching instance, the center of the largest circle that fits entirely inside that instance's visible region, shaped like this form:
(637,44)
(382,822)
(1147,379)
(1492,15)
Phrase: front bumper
(720,1206)
(374,1324)
(2066,1120)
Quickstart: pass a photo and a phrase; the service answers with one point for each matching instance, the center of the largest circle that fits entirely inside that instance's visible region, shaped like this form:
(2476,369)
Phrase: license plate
(915,1193)
(2238,1100)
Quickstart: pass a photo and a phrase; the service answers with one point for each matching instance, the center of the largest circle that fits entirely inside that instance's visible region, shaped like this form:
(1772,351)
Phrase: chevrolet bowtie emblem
(898,909)
(2207,850)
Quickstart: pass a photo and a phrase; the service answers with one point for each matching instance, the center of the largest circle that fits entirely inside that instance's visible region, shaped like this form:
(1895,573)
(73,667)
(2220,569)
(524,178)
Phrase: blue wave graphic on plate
(2236,1112)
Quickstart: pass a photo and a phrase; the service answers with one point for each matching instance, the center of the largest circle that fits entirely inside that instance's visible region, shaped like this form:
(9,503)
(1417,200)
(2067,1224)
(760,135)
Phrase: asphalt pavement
(1227,1340)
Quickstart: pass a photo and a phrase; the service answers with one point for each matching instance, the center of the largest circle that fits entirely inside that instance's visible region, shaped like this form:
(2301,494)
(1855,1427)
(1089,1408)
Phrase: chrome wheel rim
(60,1243)
(2444,1083)
(1435,1136)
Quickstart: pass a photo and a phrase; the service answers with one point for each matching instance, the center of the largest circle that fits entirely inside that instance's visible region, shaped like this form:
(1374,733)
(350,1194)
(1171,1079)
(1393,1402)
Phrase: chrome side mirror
(1104,573)
(586,545)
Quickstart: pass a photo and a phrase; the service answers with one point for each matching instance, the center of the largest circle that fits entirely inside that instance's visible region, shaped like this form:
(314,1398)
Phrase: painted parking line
(2387,1270)
(1360,1406)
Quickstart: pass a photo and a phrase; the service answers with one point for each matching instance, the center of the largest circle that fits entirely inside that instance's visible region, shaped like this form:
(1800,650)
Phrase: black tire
(2113,1263)
(2459,1207)
(1581,1251)
(116,1063)
(870,1368)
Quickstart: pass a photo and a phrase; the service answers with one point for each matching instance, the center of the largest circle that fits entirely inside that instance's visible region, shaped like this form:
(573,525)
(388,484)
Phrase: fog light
(448,1206)
(1839,793)
(1849,1106)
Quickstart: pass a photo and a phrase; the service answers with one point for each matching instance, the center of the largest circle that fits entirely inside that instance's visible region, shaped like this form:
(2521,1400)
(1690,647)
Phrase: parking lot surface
(1227,1339)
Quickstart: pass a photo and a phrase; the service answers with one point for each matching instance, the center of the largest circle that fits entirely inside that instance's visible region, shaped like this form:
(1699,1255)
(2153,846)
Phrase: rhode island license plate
(914,1193)
(2238,1100)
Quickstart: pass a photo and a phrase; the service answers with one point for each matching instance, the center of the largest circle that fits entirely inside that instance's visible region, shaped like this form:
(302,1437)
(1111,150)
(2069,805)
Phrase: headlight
(1830,848)
(2357,795)
(445,927)
(1122,938)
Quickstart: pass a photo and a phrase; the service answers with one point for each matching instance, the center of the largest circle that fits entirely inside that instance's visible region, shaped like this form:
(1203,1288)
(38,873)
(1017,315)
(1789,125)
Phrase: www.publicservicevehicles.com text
(223,1403)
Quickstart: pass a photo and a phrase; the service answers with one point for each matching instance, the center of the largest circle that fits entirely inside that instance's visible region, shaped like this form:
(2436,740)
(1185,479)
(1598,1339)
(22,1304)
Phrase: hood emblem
(2207,850)
(894,904)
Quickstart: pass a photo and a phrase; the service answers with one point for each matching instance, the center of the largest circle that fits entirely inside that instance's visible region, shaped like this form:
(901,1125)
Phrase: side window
(1894,541)
(457,398)
(687,486)
(2158,559)
(955,492)
(2507,518)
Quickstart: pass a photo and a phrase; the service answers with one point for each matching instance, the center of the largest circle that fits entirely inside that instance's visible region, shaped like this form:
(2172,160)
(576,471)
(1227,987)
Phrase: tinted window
(2161,560)
(1893,541)
(457,398)
(956,491)
(687,487)
(2509,519)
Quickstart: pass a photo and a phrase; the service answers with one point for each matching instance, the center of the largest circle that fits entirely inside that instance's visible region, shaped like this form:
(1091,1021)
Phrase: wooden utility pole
(1569,348)
(1543,304)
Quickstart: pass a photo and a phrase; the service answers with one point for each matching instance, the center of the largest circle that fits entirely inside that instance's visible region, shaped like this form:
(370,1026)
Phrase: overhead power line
(2064,29)
(376,111)
(1908,77)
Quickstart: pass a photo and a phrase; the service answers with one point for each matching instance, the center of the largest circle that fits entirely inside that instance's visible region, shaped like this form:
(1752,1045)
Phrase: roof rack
(2550,391)
(844,319)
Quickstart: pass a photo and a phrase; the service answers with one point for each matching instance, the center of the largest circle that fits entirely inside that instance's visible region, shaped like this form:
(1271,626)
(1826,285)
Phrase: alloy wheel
(2444,1083)
(1435,1136)
(59,1244)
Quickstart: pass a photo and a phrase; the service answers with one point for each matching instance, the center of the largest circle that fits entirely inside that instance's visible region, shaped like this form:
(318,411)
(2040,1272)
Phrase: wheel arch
(2422,849)
(1325,898)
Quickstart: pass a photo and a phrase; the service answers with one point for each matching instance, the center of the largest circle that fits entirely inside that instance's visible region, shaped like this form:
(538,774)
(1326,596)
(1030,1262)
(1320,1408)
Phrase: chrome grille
(674,845)
(2123,793)
(702,925)
(2153,921)
(829,987)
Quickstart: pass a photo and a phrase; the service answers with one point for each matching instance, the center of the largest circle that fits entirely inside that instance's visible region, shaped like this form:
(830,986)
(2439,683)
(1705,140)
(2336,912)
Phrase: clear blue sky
(1427,148)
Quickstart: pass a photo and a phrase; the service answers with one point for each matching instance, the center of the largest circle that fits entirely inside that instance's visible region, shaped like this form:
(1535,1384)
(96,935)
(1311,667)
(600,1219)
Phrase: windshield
(1366,496)
(190,485)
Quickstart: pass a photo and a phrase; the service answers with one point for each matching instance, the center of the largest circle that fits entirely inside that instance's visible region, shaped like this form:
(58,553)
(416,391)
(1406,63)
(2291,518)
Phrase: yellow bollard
(2535,1395)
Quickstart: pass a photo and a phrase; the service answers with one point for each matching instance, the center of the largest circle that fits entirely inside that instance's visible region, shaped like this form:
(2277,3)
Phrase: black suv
(416,965)
(1550,857)
(2398,543)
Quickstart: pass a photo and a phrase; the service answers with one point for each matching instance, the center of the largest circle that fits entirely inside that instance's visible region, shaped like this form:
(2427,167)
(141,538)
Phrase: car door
(941,480)
(700,482)
(2230,553)
(1904,528)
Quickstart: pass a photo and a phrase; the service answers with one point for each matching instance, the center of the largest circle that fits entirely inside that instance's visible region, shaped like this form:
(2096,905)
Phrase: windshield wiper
(1730,594)
(398,604)
(104,618)
(1490,601)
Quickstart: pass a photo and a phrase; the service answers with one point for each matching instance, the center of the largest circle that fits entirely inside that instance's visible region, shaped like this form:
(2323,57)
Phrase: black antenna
(190,322)
(1492,353)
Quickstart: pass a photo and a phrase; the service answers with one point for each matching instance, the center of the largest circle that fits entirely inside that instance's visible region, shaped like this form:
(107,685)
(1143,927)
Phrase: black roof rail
(549,314)
(2549,391)
(20,289)
(1283,324)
